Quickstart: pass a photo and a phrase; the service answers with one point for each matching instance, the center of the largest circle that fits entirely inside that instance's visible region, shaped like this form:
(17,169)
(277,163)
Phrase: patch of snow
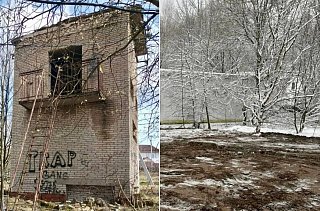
(242,165)
(183,133)
(235,127)
(235,163)
(278,204)
(268,174)
(284,188)
(208,161)
(172,175)
(263,142)
(162,186)
(240,128)
(163,170)
(204,159)
(314,201)
(307,132)
(166,139)
(309,147)
(242,182)
(304,184)
(206,182)
(299,185)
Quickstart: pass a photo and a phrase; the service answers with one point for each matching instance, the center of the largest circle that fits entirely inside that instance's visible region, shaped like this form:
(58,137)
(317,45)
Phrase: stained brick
(91,141)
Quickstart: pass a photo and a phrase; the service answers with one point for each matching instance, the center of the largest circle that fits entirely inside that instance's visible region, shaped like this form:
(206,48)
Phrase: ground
(148,200)
(150,194)
(231,170)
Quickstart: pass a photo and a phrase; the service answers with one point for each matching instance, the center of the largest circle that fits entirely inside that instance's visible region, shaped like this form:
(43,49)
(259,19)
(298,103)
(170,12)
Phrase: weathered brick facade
(94,146)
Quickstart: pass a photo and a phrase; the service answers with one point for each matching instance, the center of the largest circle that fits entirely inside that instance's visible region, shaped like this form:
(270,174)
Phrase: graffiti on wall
(84,159)
(58,160)
(51,165)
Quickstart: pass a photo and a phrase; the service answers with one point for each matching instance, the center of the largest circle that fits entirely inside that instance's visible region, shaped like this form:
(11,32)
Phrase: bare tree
(22,17)
(305,84)
(260,46)
(7,31)
(270,30)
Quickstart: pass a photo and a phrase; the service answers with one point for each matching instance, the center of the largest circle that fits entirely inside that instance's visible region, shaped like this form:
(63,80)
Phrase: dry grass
(149,193)
(148,198)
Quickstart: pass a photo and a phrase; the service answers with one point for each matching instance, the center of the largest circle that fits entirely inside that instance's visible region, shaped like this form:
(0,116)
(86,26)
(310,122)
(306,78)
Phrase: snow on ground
(170,135)
(164,170)
(279,205)
(235,184)
(307,132)
(235,127)
(299,185)
(204,159)
(206,182)
(162,186)
(264,142)
(208,160)
(189,133)
(276,169)
(314,201)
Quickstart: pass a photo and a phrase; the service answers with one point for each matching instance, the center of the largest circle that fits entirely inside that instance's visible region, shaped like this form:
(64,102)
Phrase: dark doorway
(66,72)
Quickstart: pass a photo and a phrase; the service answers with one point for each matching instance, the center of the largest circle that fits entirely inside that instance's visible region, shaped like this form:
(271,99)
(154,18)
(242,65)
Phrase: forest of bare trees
(270,48)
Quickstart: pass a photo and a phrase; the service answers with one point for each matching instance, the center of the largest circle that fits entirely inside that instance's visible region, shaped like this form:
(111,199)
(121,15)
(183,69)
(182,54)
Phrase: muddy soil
(215,170)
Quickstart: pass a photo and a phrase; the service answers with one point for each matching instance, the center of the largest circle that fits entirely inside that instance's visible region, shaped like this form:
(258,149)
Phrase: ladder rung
(42,120)
(39,136)
(42,127)
(37,145)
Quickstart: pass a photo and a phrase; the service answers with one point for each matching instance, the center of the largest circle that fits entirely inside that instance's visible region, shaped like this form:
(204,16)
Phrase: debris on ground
(148,200)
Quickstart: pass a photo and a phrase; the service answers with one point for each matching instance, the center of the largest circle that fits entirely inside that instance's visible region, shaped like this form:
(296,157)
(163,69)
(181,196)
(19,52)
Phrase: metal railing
(29,82)
(92,81)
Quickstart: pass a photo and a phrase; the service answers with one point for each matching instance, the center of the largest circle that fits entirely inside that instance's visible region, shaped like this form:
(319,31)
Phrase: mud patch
(236,171)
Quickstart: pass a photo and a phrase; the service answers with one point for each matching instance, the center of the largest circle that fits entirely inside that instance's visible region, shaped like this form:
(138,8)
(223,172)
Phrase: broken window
(66,72)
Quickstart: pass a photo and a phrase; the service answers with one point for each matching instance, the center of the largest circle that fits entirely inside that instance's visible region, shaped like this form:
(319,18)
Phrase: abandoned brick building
(75,85)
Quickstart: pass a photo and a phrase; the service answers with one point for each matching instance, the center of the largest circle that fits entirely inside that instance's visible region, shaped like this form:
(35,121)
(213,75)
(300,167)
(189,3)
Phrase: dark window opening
(293,86)
(131,90)
(65,67)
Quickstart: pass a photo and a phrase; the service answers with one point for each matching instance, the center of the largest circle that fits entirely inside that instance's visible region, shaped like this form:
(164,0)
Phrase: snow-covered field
(235,127)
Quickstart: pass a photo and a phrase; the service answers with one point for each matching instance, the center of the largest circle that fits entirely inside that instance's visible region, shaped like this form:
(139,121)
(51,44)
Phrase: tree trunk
(208,117)
(258,128)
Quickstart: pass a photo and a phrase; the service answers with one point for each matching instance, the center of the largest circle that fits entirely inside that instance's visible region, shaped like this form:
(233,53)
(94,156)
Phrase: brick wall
(92,143)
(80,192)
(134,147)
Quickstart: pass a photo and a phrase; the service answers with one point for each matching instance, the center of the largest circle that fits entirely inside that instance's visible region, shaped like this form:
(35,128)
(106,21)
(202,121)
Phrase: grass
(149,193)
(180,121)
